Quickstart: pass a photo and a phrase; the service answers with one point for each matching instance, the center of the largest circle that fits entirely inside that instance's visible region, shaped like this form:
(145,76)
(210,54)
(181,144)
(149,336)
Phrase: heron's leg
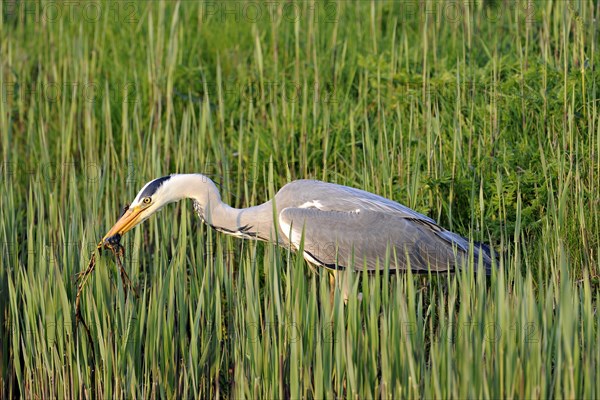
(332,281)
(345,280)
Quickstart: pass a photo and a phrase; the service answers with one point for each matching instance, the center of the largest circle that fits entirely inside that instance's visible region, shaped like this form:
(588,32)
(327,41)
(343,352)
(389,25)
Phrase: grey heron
(335,226)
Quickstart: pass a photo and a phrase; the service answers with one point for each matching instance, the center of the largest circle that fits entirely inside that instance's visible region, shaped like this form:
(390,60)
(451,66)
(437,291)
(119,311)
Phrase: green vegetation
(483,115)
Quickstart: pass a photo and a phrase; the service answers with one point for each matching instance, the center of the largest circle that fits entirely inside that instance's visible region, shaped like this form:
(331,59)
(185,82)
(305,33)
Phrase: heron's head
(153,196)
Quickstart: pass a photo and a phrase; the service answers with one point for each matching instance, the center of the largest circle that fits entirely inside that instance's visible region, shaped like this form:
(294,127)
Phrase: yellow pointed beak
(127,221)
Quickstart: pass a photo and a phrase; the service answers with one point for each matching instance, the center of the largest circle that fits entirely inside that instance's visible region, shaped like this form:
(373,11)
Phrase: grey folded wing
(361,239)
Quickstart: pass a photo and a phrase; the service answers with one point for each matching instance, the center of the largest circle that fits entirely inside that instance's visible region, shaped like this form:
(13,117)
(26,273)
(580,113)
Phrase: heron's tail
(481,251)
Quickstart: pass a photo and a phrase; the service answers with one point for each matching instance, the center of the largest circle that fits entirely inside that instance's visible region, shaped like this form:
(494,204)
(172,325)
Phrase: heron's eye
(147,200)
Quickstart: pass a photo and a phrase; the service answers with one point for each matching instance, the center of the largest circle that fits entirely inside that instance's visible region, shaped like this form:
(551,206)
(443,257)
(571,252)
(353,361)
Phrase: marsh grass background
(482,115)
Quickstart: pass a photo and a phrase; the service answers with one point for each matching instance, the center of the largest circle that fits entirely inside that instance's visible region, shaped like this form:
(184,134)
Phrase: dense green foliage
(482,115)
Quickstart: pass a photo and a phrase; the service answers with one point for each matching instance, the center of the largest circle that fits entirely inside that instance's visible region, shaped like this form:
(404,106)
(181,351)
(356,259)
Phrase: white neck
(253,222)
(190,186)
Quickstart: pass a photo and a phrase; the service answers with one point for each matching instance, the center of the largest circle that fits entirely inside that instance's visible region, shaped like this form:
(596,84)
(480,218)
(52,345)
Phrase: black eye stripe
(153,186)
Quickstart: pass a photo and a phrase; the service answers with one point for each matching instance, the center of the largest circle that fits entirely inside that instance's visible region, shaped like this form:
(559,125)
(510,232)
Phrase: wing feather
(341,239)
(332,197)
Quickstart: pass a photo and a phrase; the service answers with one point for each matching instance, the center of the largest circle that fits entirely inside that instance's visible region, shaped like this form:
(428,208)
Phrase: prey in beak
(143,206)
(129,218)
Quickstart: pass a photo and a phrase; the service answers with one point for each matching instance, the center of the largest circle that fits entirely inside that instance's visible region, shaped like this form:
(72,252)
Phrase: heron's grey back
(343,226)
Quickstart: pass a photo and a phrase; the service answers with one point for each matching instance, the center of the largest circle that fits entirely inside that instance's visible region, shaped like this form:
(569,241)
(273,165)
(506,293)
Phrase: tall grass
(482,115)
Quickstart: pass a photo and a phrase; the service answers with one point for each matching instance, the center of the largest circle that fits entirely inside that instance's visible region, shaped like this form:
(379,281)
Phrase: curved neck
(253,222)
